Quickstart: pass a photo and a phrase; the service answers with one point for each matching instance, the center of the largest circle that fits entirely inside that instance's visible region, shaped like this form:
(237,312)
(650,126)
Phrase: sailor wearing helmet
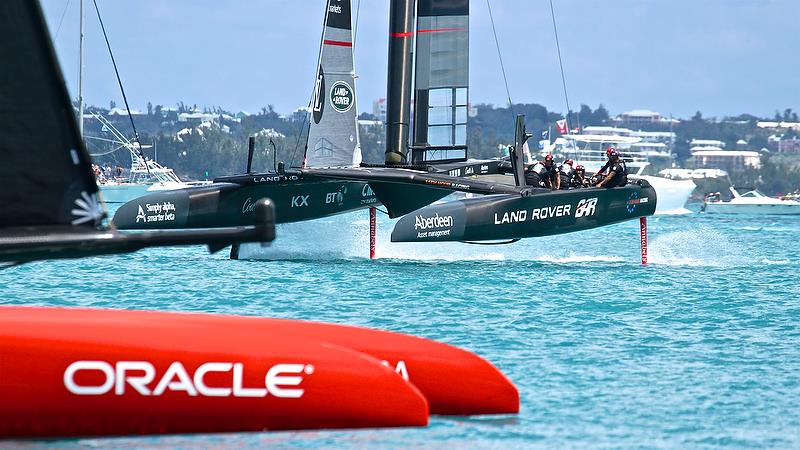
(617,171)
(580,180)
(566,172)
(550,174)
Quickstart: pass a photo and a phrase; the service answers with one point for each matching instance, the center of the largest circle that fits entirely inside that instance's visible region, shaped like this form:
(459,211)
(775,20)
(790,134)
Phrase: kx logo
(300,200)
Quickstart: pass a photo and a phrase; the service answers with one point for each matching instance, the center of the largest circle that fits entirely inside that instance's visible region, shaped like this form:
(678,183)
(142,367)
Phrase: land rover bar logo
(341,96)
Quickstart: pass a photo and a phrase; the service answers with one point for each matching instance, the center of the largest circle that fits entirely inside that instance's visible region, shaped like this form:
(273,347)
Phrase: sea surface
(699,349)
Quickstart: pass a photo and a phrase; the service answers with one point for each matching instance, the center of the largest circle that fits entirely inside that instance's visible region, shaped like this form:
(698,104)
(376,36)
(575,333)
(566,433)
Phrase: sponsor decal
(336,9)
(248,206)
(87,210)
(469,170)
(156,212)
(455,173)
(586,207)
(447,184)
(366,191)
(319,98)
(334,197)
(545,212)
(275,178)
(484,168)
(512,216)
(280,380)
(342,96)
(399,369)
(634,200)
(548,212)
(435,226)
(300,200)
(367,195)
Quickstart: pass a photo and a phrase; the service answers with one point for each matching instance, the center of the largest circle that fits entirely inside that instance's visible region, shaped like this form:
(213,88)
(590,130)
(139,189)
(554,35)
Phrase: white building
(711,158)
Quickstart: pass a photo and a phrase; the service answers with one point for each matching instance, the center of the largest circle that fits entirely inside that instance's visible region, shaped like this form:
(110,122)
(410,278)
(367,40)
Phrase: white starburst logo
(88,209)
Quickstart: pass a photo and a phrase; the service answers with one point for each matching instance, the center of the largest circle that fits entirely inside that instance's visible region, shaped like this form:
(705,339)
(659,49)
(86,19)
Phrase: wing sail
(333,132)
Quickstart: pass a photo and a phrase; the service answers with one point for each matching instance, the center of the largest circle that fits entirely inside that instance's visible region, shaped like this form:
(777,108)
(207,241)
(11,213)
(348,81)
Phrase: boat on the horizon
(749,201)
(589,149)
(144,175)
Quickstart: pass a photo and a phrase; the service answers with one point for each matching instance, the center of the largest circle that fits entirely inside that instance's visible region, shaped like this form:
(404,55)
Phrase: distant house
(124,112)
(736,160)
(643,117)
(707,143)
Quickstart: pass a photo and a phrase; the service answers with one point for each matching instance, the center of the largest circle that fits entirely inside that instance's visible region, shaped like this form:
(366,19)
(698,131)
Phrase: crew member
(580,180)
(551,178)
(534,175)
(617,171)
(566,173)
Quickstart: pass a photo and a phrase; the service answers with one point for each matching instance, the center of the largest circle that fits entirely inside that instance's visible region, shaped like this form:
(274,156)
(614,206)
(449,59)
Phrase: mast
(398,90)
(80,78)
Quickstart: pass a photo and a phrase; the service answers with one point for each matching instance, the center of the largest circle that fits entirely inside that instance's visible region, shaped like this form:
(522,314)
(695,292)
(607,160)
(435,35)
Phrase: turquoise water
(701,348)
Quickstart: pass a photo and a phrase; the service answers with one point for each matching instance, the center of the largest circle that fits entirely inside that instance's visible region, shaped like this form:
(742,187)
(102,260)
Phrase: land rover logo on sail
(341,96)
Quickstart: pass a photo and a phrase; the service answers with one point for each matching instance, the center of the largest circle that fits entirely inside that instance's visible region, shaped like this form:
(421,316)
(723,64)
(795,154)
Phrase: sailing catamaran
(330,181)
(84,372)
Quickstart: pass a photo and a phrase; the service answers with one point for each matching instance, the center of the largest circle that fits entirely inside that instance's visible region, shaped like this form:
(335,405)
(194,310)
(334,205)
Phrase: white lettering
(586,207)
(436,221)
(275,378)
(200,384)
(239,390)
(183,382)
(102,366)
(513,216)
(549,212)
(366,191)
(300,200)
(138,383)
(281,380)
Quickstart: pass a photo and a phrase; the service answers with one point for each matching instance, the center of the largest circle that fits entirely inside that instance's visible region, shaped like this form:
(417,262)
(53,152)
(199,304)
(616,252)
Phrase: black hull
(505,217)
(298,195)
(227,204)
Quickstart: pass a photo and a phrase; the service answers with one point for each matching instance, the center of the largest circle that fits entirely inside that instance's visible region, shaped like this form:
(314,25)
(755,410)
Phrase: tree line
(220,148)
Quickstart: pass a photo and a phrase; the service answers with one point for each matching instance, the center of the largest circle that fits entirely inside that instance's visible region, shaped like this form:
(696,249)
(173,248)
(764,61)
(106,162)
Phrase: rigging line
(119,80)
(61,20)
(500,56)
(561,65)
(355,29)
(313,90)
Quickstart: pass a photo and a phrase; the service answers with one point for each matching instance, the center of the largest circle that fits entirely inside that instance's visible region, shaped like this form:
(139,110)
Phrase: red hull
(92,372)
(454,381)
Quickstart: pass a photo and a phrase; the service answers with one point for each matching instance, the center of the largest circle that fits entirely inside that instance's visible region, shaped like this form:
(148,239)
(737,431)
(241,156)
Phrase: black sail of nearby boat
(49,200)
(46,171)
(333,139)
(441,81)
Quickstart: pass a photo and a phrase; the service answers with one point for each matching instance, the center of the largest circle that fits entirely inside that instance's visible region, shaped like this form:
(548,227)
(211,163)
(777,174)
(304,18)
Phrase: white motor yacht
(589,150)
(750,202)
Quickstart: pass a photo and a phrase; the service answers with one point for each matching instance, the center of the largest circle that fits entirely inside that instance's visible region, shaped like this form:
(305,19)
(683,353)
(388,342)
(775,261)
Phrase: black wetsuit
(533,176)
(577,182)
(620,174)
(548,175)
(567,174)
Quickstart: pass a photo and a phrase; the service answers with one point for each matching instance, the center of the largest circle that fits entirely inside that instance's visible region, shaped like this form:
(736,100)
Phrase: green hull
(506,217)
(225,204)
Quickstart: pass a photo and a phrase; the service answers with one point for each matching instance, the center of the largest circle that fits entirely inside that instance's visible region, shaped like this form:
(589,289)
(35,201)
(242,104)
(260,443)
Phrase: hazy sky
(722,57)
